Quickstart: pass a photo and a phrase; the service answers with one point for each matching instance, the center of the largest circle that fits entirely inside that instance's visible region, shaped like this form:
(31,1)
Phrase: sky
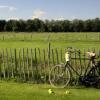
(49,9)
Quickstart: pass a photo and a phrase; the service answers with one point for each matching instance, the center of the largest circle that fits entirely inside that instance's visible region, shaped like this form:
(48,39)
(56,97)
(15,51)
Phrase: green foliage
(37,25)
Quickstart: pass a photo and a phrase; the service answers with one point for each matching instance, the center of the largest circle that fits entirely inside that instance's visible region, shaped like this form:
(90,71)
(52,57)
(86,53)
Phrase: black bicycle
(61,74)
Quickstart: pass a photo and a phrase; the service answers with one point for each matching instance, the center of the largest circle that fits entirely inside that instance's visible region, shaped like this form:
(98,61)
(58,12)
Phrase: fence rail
(33,65)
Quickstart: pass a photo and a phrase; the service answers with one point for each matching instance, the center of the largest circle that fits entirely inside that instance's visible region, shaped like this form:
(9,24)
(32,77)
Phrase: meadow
(26,91)
(58,40)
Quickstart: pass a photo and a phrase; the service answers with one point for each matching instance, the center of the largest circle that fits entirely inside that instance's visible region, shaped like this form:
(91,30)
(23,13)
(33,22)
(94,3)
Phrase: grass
(19,91)
(25,91)
(58,40)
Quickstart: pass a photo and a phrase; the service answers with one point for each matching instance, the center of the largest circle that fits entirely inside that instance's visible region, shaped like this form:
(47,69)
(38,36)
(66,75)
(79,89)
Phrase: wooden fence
(33,65)
(81,36)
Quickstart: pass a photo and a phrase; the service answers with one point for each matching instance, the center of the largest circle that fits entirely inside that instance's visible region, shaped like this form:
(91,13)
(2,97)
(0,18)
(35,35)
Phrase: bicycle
(60,75)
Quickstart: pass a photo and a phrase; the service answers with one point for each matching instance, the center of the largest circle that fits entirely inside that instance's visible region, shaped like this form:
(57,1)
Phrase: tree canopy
(37,25)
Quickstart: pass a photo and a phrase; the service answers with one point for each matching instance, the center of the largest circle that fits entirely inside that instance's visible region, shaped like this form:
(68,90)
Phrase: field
(25,91)
(35,55)
(18,91)
(57,40)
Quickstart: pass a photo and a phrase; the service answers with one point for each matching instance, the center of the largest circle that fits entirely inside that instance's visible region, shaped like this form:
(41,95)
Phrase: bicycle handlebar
(90,54)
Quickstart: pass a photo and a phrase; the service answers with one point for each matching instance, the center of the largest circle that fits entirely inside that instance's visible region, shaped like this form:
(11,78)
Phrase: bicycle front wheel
(59,76)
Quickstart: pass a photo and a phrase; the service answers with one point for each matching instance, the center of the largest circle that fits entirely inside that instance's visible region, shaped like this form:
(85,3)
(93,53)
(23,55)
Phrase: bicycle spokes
(59,76)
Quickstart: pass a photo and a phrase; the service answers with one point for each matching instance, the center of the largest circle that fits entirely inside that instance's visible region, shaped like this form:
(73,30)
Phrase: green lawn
(23,91)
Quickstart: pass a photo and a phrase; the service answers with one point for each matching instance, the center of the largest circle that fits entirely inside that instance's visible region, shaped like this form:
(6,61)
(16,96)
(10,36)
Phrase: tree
(2,25)
(66,25)
(37,25)
(96,25)
(11,25)
(30,26)
(78,25)
(88,24)
(21,26)
(47,26)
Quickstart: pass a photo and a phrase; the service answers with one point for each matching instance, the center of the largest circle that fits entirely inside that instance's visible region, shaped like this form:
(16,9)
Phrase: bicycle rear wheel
(59,76)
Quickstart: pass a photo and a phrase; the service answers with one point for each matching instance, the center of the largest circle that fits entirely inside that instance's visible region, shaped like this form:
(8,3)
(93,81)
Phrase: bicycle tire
(59,76)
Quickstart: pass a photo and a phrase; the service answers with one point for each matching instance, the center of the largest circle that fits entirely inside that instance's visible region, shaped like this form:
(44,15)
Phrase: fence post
(12,72)
(61,59)
(84,60)
(32,62)
(53,57)
(75,61)
(15,60)
(35,58)
(19,56)
(3,60)
(44,58)
(49,46)
(7,62)
(36,71)
(99,36)
(27,58)
(57,59)
(23,63)
(80,62)
(40,62)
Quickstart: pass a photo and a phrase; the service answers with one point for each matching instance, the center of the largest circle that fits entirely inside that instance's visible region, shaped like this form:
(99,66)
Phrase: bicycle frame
(93,64)
(63,78)
(70,67)
(67,58)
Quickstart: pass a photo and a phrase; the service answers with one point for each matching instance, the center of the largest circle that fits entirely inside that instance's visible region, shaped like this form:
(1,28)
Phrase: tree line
(37,25)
